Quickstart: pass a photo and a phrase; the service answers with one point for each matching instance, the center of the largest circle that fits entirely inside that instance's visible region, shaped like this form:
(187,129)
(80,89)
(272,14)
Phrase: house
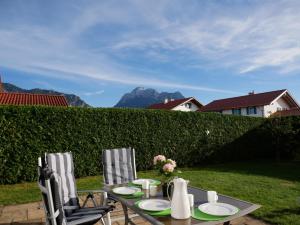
(184,104)
(9,98)
(259,105)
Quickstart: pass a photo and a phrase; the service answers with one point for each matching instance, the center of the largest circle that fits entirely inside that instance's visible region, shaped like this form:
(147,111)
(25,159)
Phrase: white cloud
(93,93)
(265,35)
(52,52)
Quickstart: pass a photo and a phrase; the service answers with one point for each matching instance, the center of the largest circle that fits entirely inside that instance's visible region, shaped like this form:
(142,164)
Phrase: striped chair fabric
(118,165)
(53,198)
(62,164)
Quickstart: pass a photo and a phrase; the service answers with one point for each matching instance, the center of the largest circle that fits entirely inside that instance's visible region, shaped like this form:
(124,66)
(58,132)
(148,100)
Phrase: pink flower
(172,162)
(159,159)
(168,168)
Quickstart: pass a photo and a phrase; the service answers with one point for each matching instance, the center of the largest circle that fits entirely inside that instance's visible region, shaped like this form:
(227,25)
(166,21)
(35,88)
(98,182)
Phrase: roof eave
(189,99)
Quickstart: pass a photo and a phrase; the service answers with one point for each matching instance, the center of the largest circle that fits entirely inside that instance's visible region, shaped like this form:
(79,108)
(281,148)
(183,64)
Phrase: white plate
(154,205)
(125,190)
(141,181)
(218,209)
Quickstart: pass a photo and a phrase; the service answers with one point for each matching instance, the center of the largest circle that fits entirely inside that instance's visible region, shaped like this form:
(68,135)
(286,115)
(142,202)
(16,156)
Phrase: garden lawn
(274,186)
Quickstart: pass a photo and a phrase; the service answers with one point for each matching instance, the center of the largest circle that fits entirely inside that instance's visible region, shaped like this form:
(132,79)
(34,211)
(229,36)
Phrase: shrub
(28,132)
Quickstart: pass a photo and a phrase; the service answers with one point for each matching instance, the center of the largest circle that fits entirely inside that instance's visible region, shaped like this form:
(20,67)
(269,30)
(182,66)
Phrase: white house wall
(263,111)
(279,104)
(183,108)
(259,112)
(227,112)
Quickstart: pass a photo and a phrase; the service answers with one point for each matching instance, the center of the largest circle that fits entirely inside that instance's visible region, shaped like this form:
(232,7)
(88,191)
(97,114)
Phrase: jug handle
(169,183)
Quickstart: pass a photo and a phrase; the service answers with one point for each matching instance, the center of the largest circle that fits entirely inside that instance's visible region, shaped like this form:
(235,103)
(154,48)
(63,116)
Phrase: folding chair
(62,165)
(119,168)
(50,185)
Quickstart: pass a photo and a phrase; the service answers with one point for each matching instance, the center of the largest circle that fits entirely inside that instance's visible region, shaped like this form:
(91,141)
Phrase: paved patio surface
(33,213)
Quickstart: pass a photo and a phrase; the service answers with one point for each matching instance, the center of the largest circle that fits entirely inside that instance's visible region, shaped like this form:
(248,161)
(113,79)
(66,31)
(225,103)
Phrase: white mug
(153,190)
(212,196)
(146,184)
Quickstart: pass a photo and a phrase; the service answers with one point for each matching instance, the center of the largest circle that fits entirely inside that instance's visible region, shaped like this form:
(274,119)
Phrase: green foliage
(28,132)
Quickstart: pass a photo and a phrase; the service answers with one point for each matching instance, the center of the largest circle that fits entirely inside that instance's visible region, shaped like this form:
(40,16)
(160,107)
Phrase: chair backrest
(50,186)
(118,165)
(62,164)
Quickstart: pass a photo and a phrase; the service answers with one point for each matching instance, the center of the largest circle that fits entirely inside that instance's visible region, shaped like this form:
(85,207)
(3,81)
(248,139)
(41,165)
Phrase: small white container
(146,185)
(212,197)
(153,190)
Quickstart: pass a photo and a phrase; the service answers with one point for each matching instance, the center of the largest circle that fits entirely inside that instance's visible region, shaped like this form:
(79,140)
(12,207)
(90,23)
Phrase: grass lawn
(274,186)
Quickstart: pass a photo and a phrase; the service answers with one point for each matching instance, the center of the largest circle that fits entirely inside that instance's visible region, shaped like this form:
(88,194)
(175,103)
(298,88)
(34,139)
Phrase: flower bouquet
(167,170)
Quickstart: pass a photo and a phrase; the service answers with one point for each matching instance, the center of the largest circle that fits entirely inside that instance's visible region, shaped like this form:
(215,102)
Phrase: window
(251,110)
(188,105)
(236,111)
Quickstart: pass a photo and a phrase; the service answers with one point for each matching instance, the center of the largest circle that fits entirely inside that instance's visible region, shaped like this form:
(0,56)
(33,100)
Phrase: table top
(200,197)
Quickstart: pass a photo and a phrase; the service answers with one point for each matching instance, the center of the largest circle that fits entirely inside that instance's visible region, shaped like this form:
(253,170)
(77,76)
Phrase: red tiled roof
(242,101)
(289,112)
(32,99)
(172,104)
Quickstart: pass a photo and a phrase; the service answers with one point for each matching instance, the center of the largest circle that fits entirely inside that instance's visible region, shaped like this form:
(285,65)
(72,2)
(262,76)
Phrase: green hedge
(27,132)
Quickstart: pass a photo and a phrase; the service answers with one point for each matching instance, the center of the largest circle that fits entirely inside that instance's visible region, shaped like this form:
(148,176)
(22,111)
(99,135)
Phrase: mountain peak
(138,89)
(140,97)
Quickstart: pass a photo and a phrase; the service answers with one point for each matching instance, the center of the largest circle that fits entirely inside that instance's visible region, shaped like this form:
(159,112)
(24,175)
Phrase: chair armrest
(71,207)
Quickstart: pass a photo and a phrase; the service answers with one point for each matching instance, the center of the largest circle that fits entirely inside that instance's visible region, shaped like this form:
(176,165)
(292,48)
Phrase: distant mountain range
(137,98)
(142,98)
(73,100)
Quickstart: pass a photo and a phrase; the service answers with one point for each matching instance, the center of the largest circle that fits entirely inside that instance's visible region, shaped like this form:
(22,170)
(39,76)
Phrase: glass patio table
(200,197)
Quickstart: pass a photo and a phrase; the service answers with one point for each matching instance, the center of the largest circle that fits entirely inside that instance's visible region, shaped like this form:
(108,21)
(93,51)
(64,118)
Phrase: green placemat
(166,212)
(197,214)
(156,183)
(135,195)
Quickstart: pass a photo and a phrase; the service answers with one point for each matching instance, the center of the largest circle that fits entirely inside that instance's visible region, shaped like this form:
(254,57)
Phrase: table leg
(127,219)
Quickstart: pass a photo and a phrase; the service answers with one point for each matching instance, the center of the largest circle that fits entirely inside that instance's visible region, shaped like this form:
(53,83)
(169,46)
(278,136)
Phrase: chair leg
(89,196)
(102,221)
(85,201)
(93,200)
(107,220)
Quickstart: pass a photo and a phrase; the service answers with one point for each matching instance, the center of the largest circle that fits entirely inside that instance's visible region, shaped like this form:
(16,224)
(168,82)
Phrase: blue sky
(101,49)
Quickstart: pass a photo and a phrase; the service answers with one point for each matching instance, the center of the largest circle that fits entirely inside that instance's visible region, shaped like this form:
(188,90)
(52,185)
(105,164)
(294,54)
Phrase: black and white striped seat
(62,165)
(50,184)
(118,165)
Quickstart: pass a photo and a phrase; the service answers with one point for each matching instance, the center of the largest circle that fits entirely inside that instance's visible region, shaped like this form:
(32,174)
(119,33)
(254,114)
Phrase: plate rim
(153,200)
(143,179)
(132,188)
(236,209)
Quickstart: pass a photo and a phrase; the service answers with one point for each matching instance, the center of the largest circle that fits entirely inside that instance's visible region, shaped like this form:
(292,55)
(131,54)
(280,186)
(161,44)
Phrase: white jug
(180,206)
